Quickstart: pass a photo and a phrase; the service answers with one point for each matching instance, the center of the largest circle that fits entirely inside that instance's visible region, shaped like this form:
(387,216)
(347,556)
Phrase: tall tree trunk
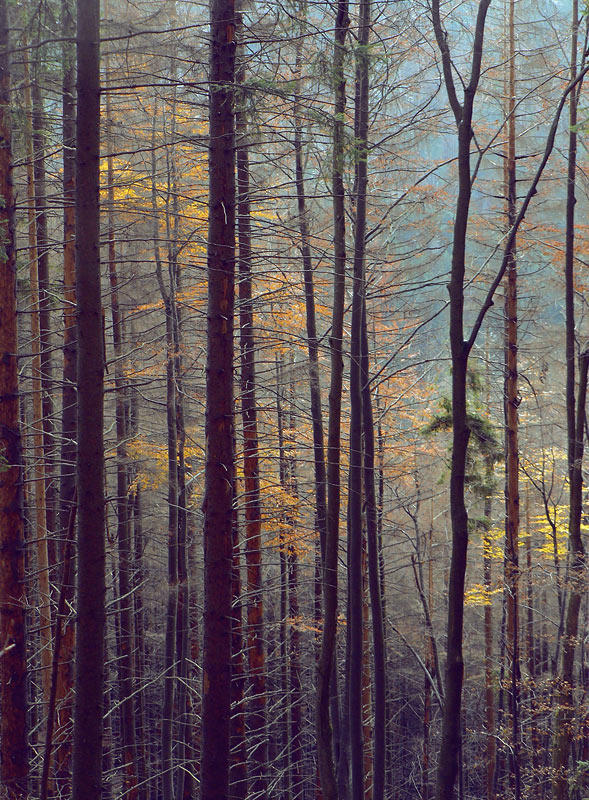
(39,170)
(531,656)
(356,418)
(283,550)
(194,674)
(108,738)
(326,662)
(141,728)
(91,617)
(65,674)
(126,640)
(511,402)
(381,571)
(37,424)
(256,721)
(374,583)
(14,754)
(450,746)
(320,472)
(294,638)
(499,751)
(172,604)
(427,713)
(183,618)
(530,637)
(168,298)
(312,340)
(219,408)
(239,762)
(569,263)
(344,759)
(355,543)
(430,663)
(366,682)
(460,350)
(181,625)
(576,422)
(295,687)
(564,699)
(491,746)
(56,655)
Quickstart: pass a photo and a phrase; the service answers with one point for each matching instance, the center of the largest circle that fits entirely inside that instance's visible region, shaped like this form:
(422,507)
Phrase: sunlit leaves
(479,595)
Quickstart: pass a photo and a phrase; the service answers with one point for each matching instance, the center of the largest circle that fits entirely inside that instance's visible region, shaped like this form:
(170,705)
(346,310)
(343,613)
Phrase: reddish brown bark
(13,675)
(37,423)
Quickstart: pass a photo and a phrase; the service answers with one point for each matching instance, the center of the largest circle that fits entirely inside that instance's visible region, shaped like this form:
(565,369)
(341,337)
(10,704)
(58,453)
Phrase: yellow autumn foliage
(479,595)
(150,459)
(493,543)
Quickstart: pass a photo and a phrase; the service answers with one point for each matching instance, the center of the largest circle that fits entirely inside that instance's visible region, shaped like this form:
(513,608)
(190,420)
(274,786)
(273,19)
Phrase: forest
(294,352)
